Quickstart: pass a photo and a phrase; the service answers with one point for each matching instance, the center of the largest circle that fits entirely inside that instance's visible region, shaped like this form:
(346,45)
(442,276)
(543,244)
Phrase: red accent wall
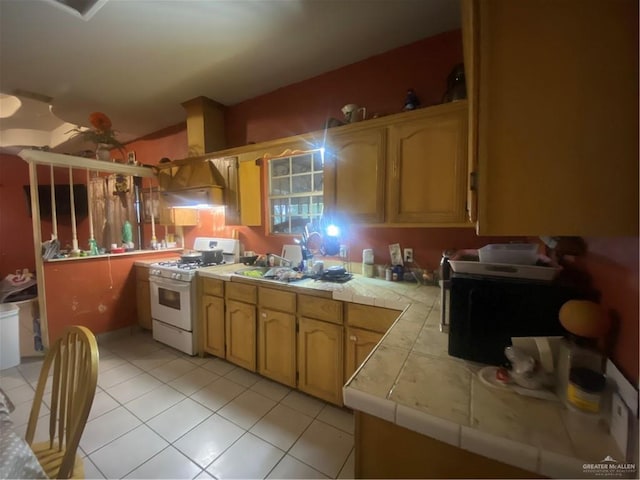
(16,234)
(378,83)
(99,293)
(612,264)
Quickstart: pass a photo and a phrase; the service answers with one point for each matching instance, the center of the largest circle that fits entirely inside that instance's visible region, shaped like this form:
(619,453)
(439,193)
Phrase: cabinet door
(212,309)
(180,217)
(557,118)
(358,344)
(143,297)
(320,357)
(354,174)
(240,334)
(143,303)
(428,167)
(250,191)
(277,346)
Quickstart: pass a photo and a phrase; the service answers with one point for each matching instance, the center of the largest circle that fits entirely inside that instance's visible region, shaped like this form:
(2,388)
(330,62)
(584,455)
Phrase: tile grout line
(200,364)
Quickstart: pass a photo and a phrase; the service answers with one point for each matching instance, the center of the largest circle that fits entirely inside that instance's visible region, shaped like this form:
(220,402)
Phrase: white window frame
(314,208)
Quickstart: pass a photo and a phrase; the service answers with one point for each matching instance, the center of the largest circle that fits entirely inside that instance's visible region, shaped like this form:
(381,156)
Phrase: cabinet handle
(353,338)
(473,181)
(264,315)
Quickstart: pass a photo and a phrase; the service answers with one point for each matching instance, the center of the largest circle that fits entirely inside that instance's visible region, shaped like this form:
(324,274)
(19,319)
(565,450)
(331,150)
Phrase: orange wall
(99,293)
(612,264)
(16,233)
(378,83)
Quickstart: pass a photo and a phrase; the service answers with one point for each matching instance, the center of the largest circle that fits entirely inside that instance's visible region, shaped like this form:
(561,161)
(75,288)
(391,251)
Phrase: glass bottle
(576,354)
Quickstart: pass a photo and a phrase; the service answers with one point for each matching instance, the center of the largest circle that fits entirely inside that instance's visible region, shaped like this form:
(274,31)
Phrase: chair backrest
(74,358)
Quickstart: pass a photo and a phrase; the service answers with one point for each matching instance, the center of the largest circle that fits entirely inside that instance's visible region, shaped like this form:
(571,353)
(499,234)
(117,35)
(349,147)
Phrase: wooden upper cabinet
(249,190)
(179,217)
(427,166)
(553,115)
(354,174)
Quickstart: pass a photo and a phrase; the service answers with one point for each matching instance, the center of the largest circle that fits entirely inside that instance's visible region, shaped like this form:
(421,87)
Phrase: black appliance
(485,312)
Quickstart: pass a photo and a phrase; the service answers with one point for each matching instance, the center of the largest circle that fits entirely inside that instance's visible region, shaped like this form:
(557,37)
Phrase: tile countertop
(410,379)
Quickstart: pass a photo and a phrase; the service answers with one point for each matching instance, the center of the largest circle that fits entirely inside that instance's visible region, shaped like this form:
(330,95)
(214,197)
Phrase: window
(295,192)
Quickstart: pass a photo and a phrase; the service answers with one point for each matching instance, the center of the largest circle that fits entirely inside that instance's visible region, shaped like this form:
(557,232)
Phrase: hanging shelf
(61,160)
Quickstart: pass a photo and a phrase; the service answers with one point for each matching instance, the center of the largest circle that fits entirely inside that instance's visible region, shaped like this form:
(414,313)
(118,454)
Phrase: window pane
(297,224)
(279,167)
(302,205)
(295,193)
(301,164)
(301,184)
(280,226)
(280,186)
(317,182)
(317,162)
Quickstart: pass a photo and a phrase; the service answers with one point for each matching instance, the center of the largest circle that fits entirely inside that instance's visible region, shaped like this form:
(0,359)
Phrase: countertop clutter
(410,380)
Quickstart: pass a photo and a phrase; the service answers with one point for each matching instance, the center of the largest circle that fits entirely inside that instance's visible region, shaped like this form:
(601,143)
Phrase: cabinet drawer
(142,273)
(277,299)
(320,308)
(377,319)
(212,286)
(241,292)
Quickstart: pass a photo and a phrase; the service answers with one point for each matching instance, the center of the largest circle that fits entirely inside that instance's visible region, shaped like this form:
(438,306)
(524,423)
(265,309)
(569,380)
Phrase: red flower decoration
(100,121)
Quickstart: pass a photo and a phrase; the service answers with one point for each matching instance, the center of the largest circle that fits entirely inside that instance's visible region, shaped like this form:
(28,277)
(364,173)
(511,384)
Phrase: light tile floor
(159,413)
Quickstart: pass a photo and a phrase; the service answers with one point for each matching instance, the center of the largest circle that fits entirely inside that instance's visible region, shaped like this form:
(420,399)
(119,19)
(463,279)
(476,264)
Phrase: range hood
(192,182)
(200,180)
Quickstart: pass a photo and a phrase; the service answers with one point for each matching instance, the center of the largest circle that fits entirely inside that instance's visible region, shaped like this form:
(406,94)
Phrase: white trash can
(9,336)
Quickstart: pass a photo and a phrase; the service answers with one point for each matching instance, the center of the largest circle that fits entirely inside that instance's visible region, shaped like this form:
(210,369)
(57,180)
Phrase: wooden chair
(74,358)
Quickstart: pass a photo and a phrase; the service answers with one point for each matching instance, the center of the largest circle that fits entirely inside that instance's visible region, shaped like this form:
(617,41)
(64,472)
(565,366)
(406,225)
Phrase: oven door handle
(169,283)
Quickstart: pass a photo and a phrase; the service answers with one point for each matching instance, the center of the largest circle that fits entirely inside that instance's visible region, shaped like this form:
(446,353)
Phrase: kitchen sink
(253,272)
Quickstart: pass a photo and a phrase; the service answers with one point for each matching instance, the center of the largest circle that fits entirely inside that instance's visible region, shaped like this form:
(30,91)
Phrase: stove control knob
(177,276)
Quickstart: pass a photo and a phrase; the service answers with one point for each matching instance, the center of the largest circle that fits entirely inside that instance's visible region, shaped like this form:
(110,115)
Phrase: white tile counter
(410,380)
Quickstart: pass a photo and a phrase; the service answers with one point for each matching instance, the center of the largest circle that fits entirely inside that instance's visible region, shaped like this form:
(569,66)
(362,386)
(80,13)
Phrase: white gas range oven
(173,294)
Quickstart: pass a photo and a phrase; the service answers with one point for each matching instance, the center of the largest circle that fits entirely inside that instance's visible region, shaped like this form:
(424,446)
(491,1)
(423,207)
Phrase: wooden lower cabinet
(386,450)
(211,315)
(277,346)
(366,325)
(212,309)
(320,359)
(240,334)
(143,297)
(358,344)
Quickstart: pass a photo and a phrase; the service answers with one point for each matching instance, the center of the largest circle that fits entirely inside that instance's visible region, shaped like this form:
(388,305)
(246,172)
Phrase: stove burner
(168,263)
(180,265)
(188,266)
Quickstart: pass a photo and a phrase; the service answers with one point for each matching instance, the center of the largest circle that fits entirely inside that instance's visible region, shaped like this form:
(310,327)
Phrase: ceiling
(138,60)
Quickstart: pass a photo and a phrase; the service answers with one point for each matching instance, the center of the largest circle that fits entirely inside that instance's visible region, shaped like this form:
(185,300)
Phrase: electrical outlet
(408,255)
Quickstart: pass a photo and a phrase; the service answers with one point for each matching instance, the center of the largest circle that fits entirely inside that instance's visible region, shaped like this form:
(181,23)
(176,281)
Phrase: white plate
(504,270)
